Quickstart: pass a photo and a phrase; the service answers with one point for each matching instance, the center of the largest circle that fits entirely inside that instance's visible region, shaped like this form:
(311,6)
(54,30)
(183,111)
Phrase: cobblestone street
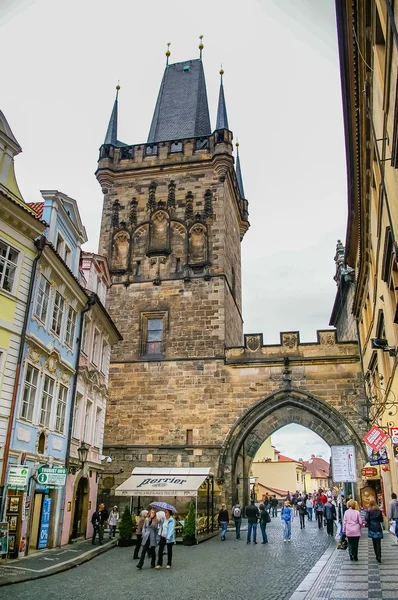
(211,571)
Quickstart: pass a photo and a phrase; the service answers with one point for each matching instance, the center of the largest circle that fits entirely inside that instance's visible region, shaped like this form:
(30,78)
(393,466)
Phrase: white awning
(163,482)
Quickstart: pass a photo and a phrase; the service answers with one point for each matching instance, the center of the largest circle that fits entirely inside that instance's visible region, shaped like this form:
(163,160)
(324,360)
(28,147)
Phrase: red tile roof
(37,207)
(318,467)
(282,458)
(273,490)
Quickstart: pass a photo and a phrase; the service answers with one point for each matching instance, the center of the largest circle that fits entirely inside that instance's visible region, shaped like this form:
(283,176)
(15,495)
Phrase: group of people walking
(155,530)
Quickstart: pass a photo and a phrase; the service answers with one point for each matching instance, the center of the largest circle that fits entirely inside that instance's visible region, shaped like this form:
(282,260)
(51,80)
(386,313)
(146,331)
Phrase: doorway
(81,509)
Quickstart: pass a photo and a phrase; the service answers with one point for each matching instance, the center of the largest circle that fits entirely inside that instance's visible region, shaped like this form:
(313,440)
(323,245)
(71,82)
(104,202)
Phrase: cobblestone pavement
(213,570)
(342,579)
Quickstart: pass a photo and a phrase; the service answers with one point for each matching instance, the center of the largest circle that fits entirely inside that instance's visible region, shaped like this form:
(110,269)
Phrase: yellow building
(368,45)
(19,227)
(276,473)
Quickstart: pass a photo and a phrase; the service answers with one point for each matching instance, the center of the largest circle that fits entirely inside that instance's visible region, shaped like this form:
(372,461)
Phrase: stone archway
(270,414)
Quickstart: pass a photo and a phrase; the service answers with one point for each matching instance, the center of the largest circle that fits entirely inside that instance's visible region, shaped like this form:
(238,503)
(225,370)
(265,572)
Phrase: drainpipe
(40,244)
(90,303)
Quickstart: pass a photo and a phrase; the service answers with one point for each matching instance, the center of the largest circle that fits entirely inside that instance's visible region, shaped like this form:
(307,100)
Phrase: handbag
(393,528)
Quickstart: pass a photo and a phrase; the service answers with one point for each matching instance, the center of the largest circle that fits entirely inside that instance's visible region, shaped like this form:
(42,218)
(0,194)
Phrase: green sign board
(51,477)
(17,477)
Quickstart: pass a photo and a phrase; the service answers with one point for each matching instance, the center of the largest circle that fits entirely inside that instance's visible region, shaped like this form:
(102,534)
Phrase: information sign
(394,434)
(375,438)
(51,477)
(344,464)
(17,477)
(44,523)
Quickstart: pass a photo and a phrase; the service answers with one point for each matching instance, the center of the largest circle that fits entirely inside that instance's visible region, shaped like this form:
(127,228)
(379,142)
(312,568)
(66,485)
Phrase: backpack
(237,512)
(267,518)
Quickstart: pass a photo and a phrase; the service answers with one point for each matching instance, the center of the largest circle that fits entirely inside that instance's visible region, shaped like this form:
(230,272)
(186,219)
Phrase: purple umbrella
(162,506)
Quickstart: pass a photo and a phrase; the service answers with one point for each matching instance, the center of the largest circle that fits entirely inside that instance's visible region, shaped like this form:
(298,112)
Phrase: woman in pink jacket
(352,524)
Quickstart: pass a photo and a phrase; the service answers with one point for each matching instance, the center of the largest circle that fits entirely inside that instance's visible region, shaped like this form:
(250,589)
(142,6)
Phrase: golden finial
(168,52)
(201,46)
(221,71)
(117,89)
(237,145)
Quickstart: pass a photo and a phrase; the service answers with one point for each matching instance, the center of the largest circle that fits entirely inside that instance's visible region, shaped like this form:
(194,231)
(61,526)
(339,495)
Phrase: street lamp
(82,451)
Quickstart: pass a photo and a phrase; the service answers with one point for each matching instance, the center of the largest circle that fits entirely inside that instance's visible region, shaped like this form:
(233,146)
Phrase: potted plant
(126,528)
(189,530)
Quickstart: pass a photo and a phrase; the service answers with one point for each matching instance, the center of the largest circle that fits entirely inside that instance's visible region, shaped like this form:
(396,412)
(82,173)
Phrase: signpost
(375,438)
(51,477)
(344,464)
(17,477)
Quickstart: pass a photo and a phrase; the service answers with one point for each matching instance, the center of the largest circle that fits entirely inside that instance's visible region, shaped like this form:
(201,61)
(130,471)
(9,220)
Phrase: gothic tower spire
(111,133)
(239,172)
(222,118)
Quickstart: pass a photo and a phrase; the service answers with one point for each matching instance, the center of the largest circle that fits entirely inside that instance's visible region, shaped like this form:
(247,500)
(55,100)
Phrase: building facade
(284,473)
(41,427)
(98,336)
(317,474)
(368,45)
(19,228)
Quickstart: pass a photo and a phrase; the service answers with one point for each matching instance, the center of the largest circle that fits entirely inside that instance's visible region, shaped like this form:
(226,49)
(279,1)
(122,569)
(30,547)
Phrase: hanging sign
(395,451)
(379,457)
(51,477)
(375,438)
(394,434)
(344,464)
(17,477)
(369,471)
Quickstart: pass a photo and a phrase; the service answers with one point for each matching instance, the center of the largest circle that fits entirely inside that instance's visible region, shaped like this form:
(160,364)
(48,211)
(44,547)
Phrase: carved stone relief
(289,340)
(253,342)
(198,244)
(120,253)
(327,338)
(159,232)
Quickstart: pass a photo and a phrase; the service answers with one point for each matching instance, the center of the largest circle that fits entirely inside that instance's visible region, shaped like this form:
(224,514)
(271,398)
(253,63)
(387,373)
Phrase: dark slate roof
(181,109)
(222,118)
(239,175)
(111,133)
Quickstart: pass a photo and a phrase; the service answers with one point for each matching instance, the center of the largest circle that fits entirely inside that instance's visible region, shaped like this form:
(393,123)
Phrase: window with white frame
(68,255)
(95,352)
(85,332)
(97,429)
(8,266)
(70,327)
(61,409)
(46,401)
(42,299)
(58,312)
(76,415)
(104,357)
(87,422)
(29,393)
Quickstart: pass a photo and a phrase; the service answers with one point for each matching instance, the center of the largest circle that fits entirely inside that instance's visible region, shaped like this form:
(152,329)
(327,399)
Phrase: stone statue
(120,250)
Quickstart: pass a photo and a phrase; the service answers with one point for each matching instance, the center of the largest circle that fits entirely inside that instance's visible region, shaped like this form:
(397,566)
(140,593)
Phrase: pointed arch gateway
(270,414)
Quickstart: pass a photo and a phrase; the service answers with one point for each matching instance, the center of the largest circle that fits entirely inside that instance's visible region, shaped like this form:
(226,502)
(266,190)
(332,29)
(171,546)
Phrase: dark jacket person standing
(374,520)
(252,514)
(99,518)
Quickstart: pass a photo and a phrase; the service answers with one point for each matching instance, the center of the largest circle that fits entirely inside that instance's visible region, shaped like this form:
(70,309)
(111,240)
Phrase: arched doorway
(79,525)
(270,414)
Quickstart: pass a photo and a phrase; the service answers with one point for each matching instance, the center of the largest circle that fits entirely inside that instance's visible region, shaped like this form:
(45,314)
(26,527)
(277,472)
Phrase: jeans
(287,530)
(353,547)
(100,530)
(319,516)
(112,531)
(329,526)
(238,523)
(151,552)
(263,527)
(251,527)
(302,521)
(162,544)
(137,546)
(309,511)
(274,511)
(224,526)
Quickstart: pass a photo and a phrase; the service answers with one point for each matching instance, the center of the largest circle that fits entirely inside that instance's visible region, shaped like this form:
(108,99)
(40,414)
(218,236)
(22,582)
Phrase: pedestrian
(394,513)
(138,532)
(112,521)
(266,501)
(310,507)
(166,539)
(264,520)
(274,506)
(352,524)
(149,540)
(374,520)
(330,516)
(99,520)
(223,520)
(319,511)
(294,503)
(252,514)
(322,496)
(287,516)
(237,517)
(302,511)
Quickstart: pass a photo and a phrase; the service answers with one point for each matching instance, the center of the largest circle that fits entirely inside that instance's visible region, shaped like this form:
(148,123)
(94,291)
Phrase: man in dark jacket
(330,516)
(274,506)
(99,519)
(223,520)
(252,514)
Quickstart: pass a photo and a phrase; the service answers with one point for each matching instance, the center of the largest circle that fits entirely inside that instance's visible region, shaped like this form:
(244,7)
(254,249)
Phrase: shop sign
(343,464)
(395,451)
(45,523)
(375,438)
(17,477)
(4,538)
(51,477)
(379,457)
(394,434)
(369,472)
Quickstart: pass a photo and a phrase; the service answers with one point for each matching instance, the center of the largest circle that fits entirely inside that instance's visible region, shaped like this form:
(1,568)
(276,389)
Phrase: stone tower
(173,218)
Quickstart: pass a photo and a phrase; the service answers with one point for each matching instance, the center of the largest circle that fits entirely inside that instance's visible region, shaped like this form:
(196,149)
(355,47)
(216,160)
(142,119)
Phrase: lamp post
(82,452)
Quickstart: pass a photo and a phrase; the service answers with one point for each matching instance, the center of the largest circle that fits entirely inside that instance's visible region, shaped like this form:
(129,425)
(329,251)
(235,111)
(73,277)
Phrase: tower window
(178,265)
(153,326)
(189,441)
(138,268)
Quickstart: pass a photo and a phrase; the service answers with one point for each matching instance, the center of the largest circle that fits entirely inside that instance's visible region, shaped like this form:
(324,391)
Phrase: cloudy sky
(282,90)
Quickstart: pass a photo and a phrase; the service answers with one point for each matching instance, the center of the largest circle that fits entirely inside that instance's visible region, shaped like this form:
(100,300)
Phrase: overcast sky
(283,98)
